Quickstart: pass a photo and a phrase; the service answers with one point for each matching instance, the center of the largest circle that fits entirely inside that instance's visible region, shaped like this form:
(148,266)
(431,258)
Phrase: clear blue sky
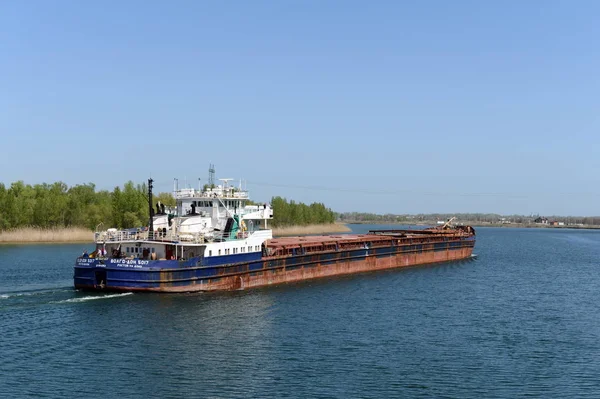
(397,106)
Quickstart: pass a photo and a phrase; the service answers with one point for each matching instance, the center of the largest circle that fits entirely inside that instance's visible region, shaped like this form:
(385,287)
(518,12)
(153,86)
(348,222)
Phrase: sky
(383,106)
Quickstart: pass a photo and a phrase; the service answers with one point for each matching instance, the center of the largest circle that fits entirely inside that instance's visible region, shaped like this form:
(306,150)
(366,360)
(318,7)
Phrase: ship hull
(174,276)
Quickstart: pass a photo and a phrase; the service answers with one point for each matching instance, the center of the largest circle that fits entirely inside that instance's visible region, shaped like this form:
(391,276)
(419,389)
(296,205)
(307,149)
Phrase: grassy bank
(76,234)
(311,229)
(34,235)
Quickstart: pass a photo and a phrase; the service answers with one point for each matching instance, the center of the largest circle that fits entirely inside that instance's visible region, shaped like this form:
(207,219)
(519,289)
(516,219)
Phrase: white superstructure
(214,221)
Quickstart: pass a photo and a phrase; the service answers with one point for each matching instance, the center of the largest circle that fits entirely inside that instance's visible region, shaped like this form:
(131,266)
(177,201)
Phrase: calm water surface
(522,320)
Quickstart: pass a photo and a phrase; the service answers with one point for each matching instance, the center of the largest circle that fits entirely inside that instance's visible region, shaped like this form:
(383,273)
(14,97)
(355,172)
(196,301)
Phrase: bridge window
(210,252)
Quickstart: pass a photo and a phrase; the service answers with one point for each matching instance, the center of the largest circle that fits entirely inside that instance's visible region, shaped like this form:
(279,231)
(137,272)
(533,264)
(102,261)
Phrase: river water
(522,320)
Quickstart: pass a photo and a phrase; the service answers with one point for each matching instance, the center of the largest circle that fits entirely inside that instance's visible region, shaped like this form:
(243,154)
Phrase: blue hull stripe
(148,274)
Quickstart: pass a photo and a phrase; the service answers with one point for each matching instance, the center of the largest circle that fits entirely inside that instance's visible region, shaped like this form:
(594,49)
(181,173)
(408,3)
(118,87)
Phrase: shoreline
(77,235)
(480,224)
(34,235)
(311,229)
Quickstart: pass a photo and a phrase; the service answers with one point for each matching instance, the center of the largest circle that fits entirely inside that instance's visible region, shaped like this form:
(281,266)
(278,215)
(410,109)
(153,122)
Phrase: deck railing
(171,235)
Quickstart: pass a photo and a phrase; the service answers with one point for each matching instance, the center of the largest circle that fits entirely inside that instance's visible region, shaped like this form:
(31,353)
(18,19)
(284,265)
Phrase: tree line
(298,214)
(491,218)
(58,205)
(363,217)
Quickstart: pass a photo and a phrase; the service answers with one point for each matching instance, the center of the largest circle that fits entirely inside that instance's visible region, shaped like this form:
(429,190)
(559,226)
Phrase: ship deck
(375,235)
(376,238)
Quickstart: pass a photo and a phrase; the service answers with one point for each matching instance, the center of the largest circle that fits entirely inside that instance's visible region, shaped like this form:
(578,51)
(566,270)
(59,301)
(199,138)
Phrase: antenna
(211,175)
(225,181)
(199,187)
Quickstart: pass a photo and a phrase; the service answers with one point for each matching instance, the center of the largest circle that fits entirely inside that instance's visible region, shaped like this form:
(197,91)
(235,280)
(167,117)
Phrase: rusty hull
(275,271)
(345,267)
(294,259)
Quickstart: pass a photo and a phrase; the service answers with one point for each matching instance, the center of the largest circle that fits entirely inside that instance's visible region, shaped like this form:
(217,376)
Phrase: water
(522,320)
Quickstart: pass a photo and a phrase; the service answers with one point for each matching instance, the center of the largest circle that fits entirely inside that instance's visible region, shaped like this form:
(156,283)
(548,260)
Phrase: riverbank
(31,235)
(311,229)
(484,224)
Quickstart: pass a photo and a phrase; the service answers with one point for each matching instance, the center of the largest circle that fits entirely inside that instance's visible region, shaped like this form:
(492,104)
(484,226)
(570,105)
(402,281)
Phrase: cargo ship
(214,241)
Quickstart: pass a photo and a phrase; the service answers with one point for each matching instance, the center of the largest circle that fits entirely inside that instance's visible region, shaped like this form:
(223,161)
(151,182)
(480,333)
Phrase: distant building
(540,219)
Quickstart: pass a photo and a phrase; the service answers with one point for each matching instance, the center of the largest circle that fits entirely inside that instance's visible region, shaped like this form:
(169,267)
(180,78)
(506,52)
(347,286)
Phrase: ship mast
(150,209)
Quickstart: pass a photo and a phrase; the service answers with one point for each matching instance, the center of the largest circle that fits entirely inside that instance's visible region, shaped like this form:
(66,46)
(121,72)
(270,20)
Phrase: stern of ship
(121,274)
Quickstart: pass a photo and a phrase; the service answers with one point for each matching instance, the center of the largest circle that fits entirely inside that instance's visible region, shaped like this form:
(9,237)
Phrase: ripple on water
(521,320)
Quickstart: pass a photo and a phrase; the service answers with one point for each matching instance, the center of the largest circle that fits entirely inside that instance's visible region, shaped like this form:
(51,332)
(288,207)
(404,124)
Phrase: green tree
(165,198)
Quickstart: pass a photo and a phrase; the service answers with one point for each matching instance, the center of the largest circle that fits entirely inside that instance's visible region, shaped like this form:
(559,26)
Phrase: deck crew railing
(171,235)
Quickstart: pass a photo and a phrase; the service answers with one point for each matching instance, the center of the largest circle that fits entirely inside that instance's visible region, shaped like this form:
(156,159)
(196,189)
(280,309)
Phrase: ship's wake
(16,294)
(46,296)
(94,297)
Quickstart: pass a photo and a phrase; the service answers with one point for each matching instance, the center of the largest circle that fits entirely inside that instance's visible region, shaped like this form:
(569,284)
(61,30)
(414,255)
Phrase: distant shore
(34,235)
(311,229)
(484,224)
